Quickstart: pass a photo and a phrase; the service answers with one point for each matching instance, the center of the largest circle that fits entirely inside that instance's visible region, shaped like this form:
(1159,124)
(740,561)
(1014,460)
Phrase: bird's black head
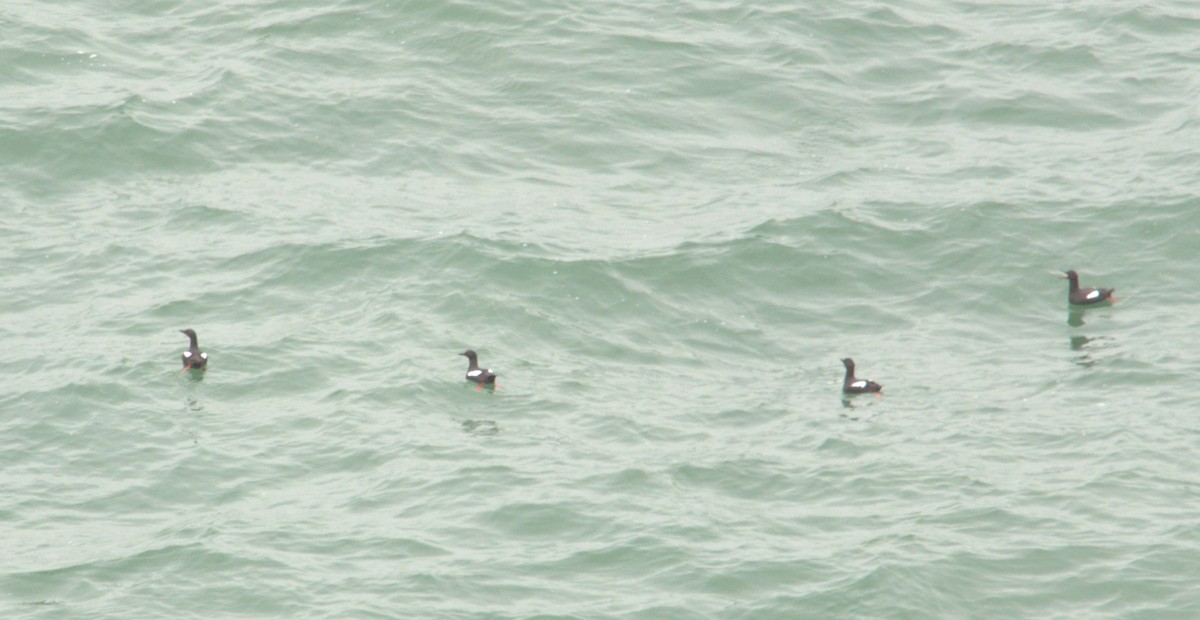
(190,334)
(1071,275)
(848,362)
(470,353)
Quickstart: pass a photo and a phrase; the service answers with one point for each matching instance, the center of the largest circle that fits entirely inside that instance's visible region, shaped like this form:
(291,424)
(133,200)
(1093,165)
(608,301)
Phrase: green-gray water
(662,225)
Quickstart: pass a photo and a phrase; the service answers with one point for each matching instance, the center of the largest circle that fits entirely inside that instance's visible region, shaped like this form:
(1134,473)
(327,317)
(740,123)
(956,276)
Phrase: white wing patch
(187,353)
(859,384)
(474,373)
(1093,294)
(204,355)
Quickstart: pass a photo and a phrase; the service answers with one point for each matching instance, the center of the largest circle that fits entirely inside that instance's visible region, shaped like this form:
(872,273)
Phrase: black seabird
(854,385)
(1086,296)
(482,376)
(193,357)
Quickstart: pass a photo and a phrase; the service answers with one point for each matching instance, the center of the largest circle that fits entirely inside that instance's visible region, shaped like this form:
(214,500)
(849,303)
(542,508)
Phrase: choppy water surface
(663,226)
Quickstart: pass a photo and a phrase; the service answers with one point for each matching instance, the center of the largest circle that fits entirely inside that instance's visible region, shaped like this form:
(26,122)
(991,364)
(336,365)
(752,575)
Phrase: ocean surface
(663,224)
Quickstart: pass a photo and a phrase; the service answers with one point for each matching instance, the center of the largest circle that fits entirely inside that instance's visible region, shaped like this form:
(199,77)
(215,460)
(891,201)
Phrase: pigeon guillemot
(1085,296)
(853,385)
(193,357)
(482,376)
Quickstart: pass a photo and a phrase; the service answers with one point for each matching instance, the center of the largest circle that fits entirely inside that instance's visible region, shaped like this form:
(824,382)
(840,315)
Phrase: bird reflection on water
(1075,316)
